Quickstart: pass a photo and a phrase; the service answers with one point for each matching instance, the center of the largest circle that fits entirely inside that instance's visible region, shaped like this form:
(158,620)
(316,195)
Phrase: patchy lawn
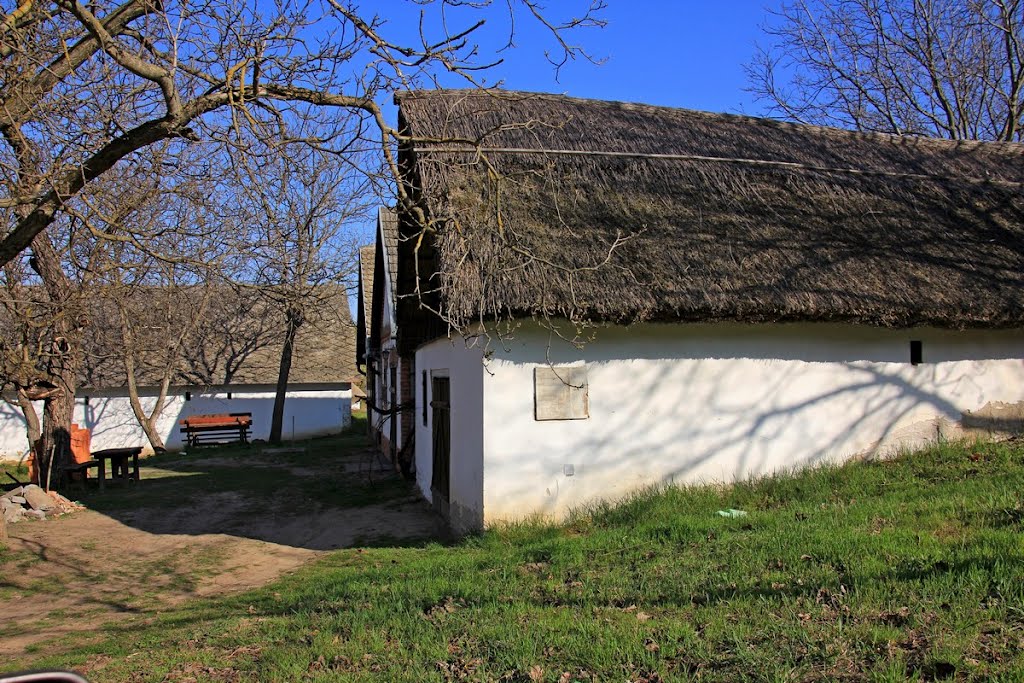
(17,469)
(910,569)
(208,524)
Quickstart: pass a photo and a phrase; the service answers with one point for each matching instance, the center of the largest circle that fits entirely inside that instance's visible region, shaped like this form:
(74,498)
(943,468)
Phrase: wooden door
(440,484)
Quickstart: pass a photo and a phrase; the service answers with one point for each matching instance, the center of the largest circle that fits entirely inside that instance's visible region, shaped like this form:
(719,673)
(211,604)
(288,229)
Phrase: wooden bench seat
(206,430)
(79,468)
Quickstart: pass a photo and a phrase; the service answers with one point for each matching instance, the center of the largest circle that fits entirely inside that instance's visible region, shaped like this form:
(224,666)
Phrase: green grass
(910,569)
(172,479)
(13,467)
(20,472)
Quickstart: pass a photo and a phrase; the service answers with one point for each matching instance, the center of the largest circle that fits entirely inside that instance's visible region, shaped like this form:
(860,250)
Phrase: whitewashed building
(233,370)
(311,409)
(389,401)
(752,296)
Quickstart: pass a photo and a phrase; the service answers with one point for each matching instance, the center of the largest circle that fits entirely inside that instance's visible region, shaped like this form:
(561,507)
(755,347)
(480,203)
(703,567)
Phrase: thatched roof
(324,346)
(366,255)
(238,342)
(387,218)
(723,217)
(385,272)
(364,303)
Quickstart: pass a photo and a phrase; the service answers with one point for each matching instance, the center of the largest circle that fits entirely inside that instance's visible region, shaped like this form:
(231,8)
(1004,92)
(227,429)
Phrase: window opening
(916,355)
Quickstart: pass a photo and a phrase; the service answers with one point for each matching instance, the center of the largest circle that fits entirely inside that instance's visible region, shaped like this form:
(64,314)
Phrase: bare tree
(23,346)
(112,296)
(85,86)
(941,68)
(46,314)
(299,205)
(153,293)
(149,318)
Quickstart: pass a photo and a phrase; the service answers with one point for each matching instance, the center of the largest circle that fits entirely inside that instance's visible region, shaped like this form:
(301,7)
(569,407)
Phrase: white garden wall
(700,403)
(312,410)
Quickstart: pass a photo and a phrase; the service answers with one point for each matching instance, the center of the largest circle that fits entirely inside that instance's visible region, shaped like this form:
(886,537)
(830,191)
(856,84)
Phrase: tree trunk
(33,427)
(147,422)
(58,412)
(293,320)
(155,440)
(54,448)
(3,529)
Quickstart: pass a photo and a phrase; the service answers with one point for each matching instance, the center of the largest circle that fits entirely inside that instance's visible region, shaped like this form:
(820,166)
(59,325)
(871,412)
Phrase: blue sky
(685,53)
(681,53)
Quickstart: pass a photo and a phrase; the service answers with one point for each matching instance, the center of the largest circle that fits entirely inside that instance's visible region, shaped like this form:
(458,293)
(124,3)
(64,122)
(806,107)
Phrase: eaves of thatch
(366,257)
(388,218)
(364,305)
(385,273)
(551,205)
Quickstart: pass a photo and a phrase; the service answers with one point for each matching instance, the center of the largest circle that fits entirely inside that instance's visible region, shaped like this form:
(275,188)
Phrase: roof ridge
(891,138)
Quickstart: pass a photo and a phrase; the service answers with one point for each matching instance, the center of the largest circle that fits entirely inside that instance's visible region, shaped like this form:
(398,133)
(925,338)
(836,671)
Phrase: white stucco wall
(464,368)
(700,403)
(324,409)
(381,422)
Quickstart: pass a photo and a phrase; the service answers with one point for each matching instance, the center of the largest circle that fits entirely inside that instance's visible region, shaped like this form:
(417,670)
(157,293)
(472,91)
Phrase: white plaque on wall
(560,393)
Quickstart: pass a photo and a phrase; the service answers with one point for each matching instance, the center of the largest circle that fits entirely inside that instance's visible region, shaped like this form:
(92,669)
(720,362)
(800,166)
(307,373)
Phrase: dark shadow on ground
(319,494)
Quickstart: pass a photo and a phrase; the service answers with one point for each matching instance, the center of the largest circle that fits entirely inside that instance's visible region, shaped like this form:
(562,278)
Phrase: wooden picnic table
(119,469)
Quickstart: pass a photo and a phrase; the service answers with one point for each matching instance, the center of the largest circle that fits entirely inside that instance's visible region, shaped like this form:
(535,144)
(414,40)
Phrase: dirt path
(194,527)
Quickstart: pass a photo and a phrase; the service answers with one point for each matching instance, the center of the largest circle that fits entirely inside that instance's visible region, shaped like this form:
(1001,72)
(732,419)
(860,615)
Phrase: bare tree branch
(941,68)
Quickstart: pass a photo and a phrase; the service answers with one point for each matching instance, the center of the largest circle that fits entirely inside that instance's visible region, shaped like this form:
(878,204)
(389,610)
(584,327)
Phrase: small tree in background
(299,206)
(154,245)
(88,85)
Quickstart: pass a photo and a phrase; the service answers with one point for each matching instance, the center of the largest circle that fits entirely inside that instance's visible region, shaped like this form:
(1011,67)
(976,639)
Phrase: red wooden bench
(205,430)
